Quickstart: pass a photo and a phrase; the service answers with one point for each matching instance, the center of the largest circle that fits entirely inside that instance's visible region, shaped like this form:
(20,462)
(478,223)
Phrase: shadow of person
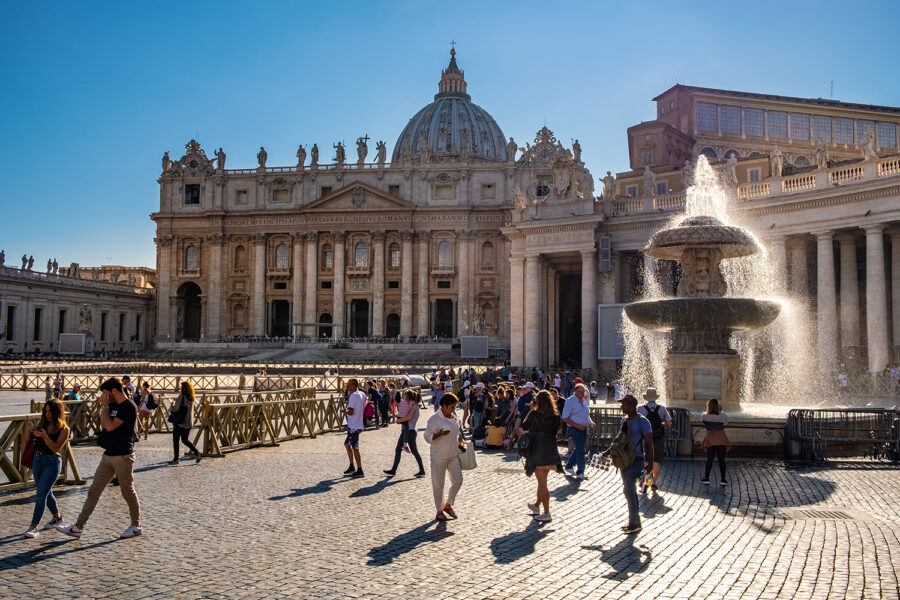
(625,558)
(407,542)
(377,487)
(319,488)
(652,505)
(514,545)
(562,492)
(43,552)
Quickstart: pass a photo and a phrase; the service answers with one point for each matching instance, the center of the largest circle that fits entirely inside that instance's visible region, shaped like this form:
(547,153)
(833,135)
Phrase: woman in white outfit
(443,433)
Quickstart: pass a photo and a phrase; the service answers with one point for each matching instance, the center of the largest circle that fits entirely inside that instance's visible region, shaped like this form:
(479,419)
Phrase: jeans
(629,486)
(715,452)
(109,467)
(46,471)
(477,417)
(382,408)
(579,437)
(409,438)
(181,433)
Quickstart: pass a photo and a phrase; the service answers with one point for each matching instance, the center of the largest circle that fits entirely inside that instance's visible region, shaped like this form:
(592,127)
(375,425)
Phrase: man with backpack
(631,452)
(660,420)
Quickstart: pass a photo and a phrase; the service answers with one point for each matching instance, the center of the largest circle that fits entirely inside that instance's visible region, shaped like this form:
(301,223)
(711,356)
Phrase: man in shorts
(356,408)
(660,420)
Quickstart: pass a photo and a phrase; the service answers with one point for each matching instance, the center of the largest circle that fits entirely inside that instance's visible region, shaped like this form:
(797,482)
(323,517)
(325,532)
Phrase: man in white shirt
(576,414)
(356,408)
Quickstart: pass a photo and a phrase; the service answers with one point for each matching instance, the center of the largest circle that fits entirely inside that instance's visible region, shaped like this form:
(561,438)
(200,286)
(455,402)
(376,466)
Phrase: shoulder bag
(28,453)
(467,459)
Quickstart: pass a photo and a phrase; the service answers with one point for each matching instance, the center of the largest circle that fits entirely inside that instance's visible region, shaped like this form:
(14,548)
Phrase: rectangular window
(102,327)
(631,191)
(325,285)
(281,195)
(488,190)
(777,124)
(121,326)
(843,130)
(754,121)
(443,192)
(861,127)
(648,157)
(279,285)
(394,258)
(754,175)
(706,116)
(393,285)
(394,190)
(38,313)
(62,321)
(324,191)
(10,322)
(192,193)
(799,126)
(821,128)
(137,328)
(730,119)
(240,197)
(887,135)
(443,285)
(662,188)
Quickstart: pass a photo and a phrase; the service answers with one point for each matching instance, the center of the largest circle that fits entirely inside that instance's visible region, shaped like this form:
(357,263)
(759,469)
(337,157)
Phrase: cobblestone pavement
(283,523)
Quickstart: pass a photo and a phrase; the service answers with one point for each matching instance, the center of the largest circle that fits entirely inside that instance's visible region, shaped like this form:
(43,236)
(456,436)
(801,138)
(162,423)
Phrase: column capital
(466,234)
(298,236)
(875,229)
(215,238)
(165,240)
(378,237)
(312,236)
(588,254)
(407,235)
(422,236)
(845,237)
(340,237)
(258,238)
(826,235)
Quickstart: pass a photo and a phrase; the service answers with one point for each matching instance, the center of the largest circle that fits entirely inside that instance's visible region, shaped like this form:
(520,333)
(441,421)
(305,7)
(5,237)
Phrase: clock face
(544,154)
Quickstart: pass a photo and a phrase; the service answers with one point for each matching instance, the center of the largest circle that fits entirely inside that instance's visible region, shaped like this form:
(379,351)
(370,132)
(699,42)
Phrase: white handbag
(467,459)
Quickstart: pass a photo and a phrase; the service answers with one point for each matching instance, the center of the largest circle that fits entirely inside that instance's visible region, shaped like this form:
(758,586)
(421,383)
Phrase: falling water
(777,361)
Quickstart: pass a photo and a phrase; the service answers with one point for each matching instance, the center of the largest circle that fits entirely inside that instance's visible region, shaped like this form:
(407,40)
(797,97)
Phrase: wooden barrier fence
(12,443)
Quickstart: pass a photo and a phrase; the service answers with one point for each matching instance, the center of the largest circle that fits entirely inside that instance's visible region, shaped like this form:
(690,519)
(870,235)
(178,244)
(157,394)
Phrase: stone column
(849,292)
(588,309)
(516,311)
(532,311)
(339,278)
(827,303)
(463,316)
(422,326)
(876,299)
(778,254)
(799,274)
(406,286)
(895,284)
(297,282)
(312,279)
(215,277)
(163,290)
(258,300)
(378,285)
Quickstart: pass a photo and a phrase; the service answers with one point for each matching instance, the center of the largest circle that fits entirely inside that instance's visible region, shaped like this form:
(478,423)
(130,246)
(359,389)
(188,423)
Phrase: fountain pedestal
(695,378)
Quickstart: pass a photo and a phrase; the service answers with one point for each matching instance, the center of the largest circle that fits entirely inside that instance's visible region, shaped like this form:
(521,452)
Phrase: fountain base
(695,378)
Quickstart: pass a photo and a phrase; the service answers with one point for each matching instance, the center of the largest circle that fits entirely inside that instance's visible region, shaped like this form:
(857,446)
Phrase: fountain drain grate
(824,514)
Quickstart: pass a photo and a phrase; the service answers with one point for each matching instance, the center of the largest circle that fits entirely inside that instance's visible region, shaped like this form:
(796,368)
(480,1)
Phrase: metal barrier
(12,442)
(877,430)
(608,420)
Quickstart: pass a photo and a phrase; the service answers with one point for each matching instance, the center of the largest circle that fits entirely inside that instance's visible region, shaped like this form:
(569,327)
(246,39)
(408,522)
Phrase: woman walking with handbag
(182,418)
(48,437)
(542,423)
(443,433)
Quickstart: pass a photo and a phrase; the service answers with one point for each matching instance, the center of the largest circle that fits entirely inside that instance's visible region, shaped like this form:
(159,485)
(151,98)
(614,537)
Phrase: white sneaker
(31,533)
(543,518)
(52,523)
(70,530)
(580,476)
(570,472)
(533,508)
(131,532)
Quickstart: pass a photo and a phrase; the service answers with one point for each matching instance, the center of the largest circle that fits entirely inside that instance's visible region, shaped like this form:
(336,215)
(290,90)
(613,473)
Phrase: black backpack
(655,422)
(151,402)
(478,404)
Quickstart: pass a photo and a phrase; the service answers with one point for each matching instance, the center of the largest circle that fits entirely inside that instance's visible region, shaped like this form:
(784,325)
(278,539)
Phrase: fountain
(701,362)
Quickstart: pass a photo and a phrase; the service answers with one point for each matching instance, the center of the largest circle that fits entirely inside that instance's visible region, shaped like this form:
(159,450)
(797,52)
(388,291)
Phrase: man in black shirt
(117,418)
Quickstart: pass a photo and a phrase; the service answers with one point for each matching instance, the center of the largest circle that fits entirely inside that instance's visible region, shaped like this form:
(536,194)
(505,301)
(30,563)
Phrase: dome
(451,122)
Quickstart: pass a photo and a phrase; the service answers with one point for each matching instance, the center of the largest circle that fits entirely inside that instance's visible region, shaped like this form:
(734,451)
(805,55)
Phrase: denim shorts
(352,438)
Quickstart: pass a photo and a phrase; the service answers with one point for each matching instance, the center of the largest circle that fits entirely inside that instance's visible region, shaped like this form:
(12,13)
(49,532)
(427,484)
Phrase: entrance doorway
(359,318)
(279,318)
(443,318)
(392,326)
(188,312)
(569,333)
(325,330)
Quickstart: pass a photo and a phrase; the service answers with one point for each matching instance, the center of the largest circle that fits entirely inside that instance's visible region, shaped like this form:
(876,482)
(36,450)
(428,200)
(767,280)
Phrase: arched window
(191,258)
(710,153)
(487,256)
(240,259)
(755,154)
(281,257)
(732,151)
(361,255)
(445,257)
(327,257)
(801,161)
(394,256)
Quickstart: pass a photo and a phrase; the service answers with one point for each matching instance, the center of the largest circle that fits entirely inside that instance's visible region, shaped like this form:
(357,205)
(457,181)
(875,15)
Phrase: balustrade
(845,174)
(890,166)
(798,183)
(757,189)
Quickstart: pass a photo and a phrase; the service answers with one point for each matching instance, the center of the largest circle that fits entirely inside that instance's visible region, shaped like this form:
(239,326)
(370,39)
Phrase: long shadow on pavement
(377,487)
(38,554)
(513,546)
(319,488)
(625,558)
(407,542)
(29,499)
(562,492)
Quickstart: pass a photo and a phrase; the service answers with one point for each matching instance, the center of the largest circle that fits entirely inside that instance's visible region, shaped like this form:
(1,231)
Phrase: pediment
(356,197)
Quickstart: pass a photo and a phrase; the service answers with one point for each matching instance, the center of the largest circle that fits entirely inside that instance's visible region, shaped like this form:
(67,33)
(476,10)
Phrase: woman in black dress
(542,423)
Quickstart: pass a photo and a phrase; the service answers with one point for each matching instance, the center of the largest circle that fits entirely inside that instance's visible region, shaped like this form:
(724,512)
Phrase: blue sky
(94,93)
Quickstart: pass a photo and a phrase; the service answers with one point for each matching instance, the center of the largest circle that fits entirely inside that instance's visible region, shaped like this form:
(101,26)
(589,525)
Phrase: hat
(479,385)
(126,377)
(76,384)
(650,394)
(466,384)
(628,399)
(528,385)
(578,380)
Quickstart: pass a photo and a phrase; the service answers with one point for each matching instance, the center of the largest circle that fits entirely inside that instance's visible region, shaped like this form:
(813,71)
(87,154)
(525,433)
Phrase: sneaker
(390,472)
(543,518)
(723,483)
(405,448)
(580,476)
(357,474)
(350,470)
(420,474)
(632,529)
(704,482)
(31,533)
(570,471)
(72,530)
(533,508)
(173,462)
(52,523)
(131,532)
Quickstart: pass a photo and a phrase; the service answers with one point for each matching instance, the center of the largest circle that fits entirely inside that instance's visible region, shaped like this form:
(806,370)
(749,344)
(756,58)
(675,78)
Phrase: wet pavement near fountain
(283,523)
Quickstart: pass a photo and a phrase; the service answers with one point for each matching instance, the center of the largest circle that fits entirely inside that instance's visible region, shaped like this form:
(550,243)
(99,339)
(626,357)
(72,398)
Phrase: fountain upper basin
(703,314)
